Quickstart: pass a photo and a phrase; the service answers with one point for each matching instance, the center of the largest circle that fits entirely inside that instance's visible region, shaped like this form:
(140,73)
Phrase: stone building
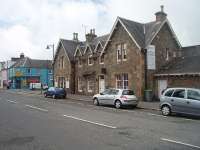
(89,66)
(64,64)
(132,56)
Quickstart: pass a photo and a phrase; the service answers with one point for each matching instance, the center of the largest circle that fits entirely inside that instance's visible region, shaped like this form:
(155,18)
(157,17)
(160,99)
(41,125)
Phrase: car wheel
(96,102)
(118,104)
(54,96)
(166,110)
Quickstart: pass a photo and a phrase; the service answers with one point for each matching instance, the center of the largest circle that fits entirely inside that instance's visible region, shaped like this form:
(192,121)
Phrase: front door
(162,84)
(101,83)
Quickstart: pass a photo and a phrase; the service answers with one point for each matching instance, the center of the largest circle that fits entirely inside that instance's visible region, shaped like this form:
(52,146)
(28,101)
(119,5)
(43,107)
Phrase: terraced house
(130,56)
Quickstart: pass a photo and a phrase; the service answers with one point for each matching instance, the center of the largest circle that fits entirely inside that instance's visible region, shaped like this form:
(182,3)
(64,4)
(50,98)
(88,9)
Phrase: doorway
(162,84)
(101,83)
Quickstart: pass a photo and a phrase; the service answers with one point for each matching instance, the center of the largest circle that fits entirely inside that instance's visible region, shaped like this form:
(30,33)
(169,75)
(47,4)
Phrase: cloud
(28,26)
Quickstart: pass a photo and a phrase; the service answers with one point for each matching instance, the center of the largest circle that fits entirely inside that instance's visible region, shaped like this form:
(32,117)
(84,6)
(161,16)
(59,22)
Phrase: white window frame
(125,80)
(124,51)
(79,84)
(167,54)
(90,57)
(119,52)
(118,80)
(89,89)
(100,62)
(121,81)
(79,62)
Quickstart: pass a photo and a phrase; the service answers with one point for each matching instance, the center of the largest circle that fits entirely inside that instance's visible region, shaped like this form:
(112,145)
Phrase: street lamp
(49,46)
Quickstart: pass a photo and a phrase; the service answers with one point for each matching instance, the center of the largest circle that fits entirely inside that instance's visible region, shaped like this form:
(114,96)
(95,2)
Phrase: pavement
(154,105)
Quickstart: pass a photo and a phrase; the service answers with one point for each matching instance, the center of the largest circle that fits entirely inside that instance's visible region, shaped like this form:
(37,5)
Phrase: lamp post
(49,46)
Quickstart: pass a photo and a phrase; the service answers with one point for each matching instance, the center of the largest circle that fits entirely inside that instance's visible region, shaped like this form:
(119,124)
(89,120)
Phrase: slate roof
(93,43)
(191,50)
(188,63)
(70,47)
(182,65)
(33,63)
(142,33)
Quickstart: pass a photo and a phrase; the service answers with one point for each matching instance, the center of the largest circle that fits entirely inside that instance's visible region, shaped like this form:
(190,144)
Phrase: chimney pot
(162,8)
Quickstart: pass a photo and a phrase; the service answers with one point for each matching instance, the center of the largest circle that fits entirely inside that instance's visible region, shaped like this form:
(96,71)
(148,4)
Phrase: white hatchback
(116,97)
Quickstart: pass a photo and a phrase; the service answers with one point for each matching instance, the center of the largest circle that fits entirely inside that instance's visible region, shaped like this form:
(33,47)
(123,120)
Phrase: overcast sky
(29,25)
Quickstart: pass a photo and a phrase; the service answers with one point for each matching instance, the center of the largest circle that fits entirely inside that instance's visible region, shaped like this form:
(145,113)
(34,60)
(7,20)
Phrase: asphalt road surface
(29,122)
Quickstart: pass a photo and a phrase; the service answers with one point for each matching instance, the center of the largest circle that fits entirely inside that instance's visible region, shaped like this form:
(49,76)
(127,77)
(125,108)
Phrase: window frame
(121,81)
(179,90)
(89,86)
(124,51)
(167,54)
(79,62)
(100,59)
(80,84)
(90,58)
(119,52)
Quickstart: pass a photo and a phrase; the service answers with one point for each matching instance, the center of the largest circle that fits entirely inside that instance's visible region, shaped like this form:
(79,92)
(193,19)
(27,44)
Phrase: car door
(178,101)
(103,96)
(111,96)
(193,101)
(50,91)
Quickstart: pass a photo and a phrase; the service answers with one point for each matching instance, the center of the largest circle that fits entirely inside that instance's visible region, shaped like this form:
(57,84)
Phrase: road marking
(37,108)
(181,143)
(96,123)
(12,101)
(156,115)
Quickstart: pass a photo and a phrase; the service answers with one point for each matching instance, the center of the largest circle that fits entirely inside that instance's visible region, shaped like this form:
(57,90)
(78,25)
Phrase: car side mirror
(101,93)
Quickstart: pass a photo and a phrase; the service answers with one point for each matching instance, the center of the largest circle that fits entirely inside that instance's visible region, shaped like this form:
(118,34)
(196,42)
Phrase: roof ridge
(130,20)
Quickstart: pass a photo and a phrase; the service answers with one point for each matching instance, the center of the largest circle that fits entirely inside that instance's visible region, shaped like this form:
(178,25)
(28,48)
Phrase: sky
(28,26)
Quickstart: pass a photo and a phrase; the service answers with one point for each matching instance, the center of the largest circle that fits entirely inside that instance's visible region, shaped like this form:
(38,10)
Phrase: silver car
(116,97)
(180,100)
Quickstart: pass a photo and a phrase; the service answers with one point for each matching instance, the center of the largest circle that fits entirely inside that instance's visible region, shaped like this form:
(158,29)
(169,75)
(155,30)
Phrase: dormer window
(101,59)
(79,62)
(90,60)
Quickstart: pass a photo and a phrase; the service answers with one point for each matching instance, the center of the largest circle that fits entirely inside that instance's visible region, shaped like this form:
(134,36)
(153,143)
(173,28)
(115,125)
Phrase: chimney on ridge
(161,15)
(90,36)
(75,37)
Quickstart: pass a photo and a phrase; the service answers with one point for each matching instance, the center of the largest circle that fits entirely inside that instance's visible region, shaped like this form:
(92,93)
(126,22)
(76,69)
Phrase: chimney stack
(21,55)
(90,36)
(161,15)
(75,37)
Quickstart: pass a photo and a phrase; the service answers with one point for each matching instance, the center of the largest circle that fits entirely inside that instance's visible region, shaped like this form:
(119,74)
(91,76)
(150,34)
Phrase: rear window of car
(128,92)
(169,93)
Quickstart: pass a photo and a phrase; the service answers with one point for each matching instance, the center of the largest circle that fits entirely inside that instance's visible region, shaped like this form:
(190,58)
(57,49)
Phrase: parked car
(180,100)
(116,97)
(55,92)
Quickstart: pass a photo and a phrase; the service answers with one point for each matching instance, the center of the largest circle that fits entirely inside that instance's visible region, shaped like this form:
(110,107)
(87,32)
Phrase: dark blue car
(55,92)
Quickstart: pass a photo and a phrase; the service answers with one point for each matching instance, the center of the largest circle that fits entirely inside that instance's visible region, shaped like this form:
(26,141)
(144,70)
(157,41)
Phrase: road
(29,122)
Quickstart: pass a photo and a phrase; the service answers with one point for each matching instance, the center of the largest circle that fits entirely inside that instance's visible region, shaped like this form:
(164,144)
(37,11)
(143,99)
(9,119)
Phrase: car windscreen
(128,92)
